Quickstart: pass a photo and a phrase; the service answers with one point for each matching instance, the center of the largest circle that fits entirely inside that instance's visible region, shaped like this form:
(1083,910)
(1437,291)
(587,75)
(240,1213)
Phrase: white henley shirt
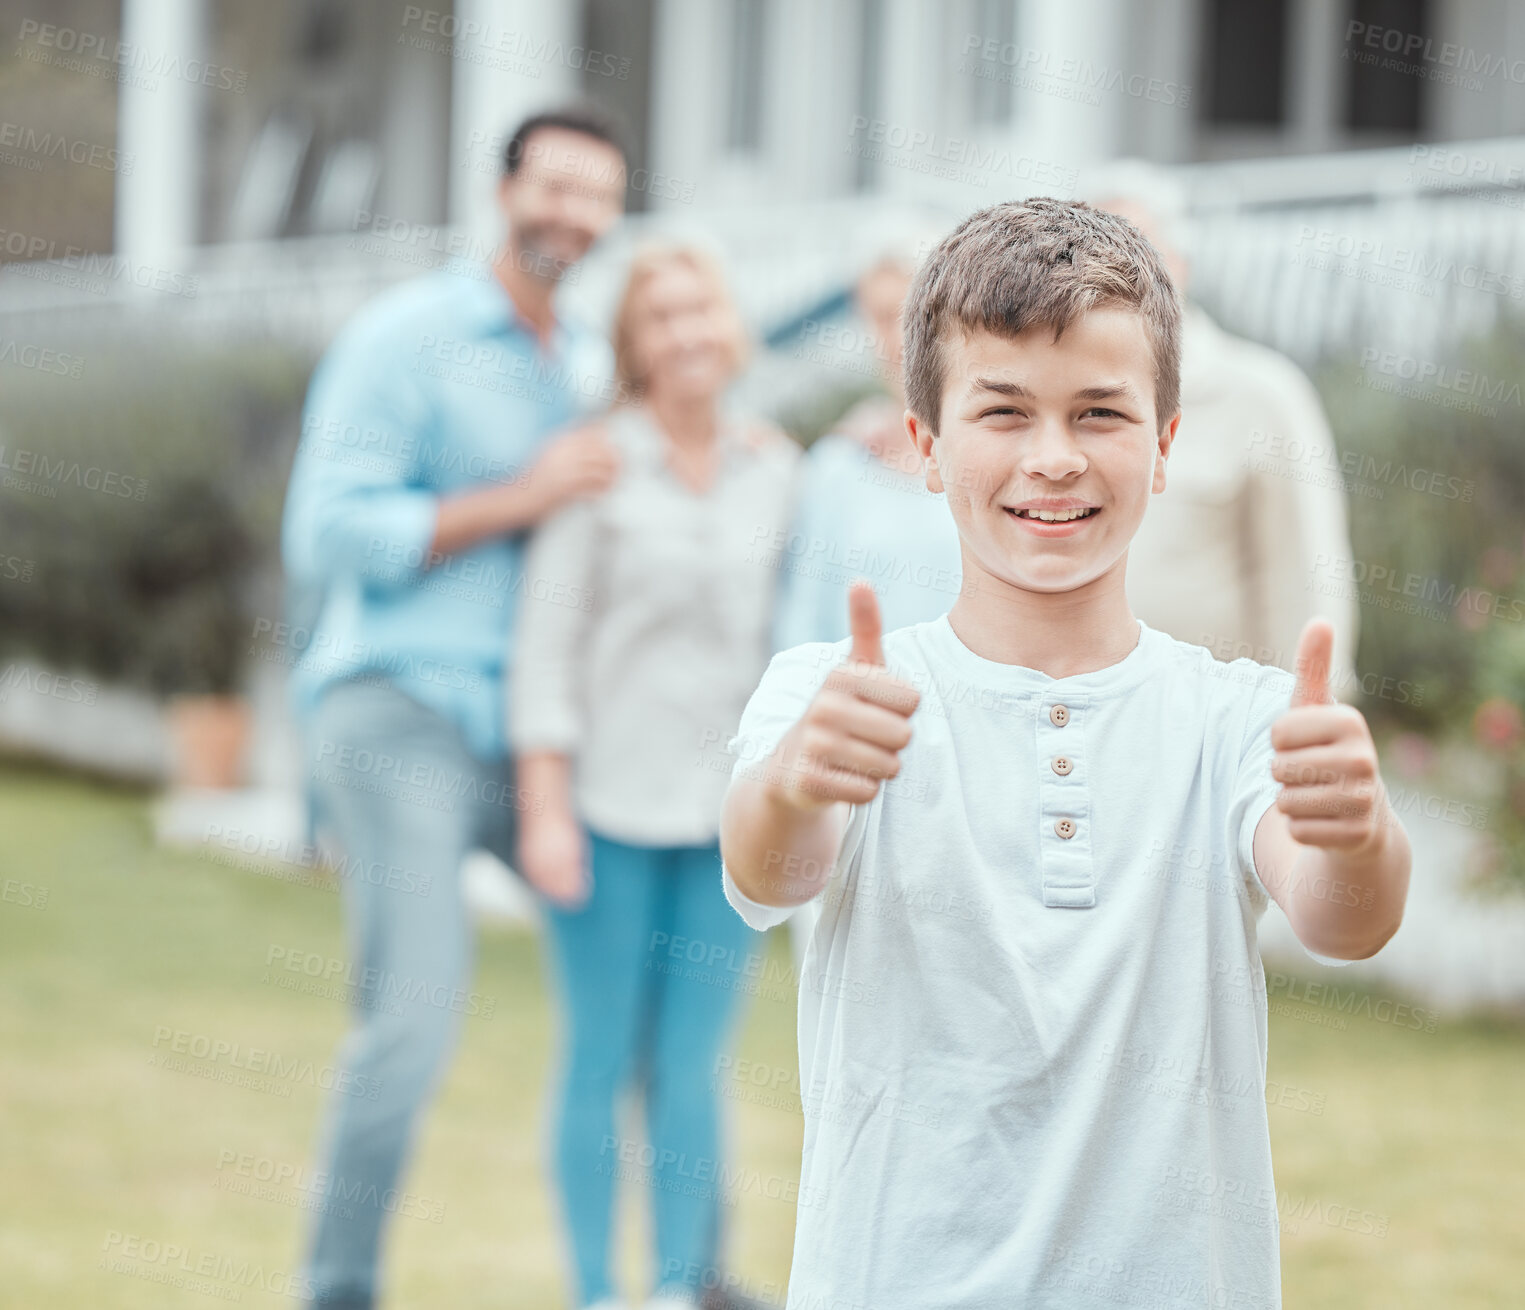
(1032,1014)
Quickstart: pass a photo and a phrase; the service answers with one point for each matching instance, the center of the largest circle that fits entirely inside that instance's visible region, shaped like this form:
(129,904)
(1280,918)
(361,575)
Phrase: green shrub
(139,497)
(1463,537)
(1460,535)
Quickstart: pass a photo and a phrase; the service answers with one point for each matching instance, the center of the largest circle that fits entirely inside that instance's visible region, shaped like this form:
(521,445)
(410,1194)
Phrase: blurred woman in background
(645,627)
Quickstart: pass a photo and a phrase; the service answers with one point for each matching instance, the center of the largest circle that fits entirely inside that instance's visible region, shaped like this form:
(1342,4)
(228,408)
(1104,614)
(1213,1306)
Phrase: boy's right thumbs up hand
(850,738)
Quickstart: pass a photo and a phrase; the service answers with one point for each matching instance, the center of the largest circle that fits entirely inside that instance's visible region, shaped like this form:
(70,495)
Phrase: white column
(1069,132)
(1316,74)
(516,66)
(158,203)
(690,56)
(912,98)
(414,124)
(809,100)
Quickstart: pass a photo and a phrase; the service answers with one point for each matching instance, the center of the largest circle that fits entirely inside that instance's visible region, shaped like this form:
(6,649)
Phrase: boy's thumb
(1315,651)
(863,619)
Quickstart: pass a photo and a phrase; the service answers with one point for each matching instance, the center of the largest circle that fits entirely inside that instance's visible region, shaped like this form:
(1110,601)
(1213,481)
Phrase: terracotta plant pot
(210,735)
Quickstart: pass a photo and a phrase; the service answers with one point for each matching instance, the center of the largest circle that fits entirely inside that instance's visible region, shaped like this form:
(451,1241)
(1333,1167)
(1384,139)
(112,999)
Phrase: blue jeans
(396,786)
(640,1010)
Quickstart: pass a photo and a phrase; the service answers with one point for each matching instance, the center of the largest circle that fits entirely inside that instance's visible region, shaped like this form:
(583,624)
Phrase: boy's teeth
(1054,516)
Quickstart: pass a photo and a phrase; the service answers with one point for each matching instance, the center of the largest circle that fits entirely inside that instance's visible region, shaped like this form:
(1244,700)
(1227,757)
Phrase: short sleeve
(788,685)
(754,914)
(1256,790)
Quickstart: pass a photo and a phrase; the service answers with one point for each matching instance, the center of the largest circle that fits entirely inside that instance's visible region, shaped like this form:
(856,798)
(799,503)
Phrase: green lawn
(107,1153)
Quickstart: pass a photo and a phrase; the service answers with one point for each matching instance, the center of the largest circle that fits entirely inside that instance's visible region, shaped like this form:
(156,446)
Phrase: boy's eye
(1100,412)
(1000,412)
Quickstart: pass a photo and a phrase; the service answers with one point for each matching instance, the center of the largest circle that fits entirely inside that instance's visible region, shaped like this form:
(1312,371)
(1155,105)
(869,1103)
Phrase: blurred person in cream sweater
(1242,550)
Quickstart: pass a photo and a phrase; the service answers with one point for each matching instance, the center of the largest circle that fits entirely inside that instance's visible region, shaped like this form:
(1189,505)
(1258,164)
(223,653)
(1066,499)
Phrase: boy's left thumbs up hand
(1333,796)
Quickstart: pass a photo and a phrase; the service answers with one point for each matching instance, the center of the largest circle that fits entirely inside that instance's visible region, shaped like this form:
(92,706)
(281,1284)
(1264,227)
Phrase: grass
(1418,1132)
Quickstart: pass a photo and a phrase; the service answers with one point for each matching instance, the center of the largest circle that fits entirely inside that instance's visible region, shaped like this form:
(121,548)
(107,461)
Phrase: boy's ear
(923,438)
(1166,440)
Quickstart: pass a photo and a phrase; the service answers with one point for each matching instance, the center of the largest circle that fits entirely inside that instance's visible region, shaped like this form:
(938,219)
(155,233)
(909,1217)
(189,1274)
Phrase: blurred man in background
(425,458)
(1253,496)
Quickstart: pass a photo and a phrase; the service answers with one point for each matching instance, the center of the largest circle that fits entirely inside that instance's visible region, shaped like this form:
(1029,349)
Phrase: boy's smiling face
(1048,450)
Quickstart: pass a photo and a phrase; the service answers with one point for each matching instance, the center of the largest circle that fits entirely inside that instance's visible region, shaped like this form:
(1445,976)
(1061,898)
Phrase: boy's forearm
(1347,904)
(778,853)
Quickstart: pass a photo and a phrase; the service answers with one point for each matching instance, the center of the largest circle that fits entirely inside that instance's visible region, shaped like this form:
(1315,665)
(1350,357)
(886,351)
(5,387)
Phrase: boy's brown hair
(1030,263)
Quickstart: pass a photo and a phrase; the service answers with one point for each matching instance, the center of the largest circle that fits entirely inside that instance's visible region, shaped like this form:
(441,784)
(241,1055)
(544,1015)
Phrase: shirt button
(1059,715)
(1065,828)
(1061,765)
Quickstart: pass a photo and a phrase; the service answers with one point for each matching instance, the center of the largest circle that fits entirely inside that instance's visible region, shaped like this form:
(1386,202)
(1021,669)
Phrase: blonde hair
(646,264)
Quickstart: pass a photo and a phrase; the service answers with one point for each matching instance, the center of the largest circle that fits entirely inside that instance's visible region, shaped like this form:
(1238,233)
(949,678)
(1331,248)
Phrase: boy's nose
(1053,453)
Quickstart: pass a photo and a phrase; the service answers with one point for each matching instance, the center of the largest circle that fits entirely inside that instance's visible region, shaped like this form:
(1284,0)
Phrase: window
(1245,49)
(1379,98)
(621,31)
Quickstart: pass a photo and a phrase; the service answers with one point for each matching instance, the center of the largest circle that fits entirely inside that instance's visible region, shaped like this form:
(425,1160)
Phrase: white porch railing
(1405,249)
(1409,249)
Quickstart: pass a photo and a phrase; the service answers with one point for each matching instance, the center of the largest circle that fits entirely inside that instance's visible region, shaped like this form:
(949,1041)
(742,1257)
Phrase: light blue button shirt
(436,387)
(858,517)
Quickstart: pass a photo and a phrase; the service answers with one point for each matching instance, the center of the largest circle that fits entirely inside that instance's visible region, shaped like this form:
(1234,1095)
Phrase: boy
(1032,1016)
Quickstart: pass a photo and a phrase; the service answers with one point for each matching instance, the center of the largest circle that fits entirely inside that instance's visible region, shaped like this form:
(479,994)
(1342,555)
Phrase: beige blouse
(644,626)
